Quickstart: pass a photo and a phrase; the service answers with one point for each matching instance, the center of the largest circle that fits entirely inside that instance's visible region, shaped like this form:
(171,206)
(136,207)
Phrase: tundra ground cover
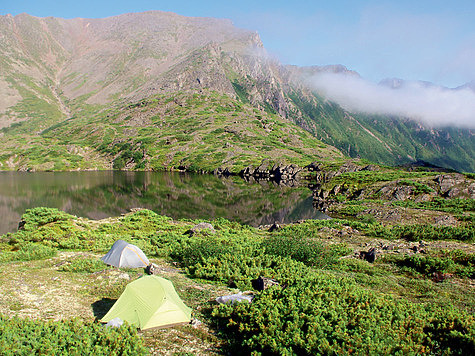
(326,302)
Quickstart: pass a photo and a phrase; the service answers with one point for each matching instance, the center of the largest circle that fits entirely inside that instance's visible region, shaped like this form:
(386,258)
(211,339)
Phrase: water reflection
(97,195)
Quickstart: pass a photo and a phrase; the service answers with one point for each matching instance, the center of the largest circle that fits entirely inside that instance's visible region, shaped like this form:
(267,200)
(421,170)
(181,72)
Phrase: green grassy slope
(196,132)
(385,139)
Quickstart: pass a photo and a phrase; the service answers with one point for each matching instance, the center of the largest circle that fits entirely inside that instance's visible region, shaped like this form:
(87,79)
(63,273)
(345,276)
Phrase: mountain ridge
(57,69)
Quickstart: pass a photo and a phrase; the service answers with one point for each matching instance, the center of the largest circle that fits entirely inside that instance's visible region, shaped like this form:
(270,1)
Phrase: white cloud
(432,105)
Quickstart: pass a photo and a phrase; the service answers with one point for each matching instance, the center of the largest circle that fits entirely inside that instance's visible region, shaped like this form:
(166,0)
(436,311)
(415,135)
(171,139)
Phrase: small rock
(446,220)
(21,225)
(196,323)
(440,277)
(115,323)
(275,227)
(152,268)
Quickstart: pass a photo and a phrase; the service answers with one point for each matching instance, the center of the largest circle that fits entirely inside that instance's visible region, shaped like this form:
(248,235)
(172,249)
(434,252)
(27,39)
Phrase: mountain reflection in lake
(98,195)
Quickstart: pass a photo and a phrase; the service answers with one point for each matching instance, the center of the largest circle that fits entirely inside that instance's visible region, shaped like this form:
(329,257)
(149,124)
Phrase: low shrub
(238,270)
(327,315)
(27,337)
(351,209)
(199,251)
(457,262)
(309,251)
(33,218)
(419,188)
(454,205)
(84,265)
(432,232)
(63,231)
(428,264)
(360,266)
(29,252)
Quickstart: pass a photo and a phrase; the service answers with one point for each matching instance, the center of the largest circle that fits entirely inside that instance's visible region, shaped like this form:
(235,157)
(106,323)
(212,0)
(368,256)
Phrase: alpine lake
(101,194)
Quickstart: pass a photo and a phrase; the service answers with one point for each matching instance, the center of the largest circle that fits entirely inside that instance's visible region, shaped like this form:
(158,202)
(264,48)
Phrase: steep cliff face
(379,138)
(53,70)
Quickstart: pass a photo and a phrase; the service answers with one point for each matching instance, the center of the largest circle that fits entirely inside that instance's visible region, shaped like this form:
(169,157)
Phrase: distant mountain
(469,85)
(396,83)
(83,94)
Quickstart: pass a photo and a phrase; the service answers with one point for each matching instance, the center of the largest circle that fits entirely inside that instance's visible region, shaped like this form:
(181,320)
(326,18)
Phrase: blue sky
(415,40)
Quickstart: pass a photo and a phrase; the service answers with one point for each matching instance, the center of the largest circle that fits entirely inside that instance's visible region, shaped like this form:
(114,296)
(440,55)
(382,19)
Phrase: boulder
(225,172)
(262,283)
(370,167)
(423,198)
(403,193)
(314,167)
(445,220)
(440,277)
(471,191)
(278,173)
(21,225)
(447,181)
(201,227)
(369,256)
(453,192)
(275,227)
(391,192)
(235,298)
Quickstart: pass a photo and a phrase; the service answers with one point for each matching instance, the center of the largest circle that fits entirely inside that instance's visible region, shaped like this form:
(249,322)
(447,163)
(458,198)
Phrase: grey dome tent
(123,254)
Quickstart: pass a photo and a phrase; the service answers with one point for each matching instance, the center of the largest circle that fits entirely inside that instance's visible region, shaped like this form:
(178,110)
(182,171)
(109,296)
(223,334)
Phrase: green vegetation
(28,252)
(456,262)
(46,154)
(326,302)
(455,205)
(296,244)
(36,217)
(412,205)
(464,232)
(363,178)
(324,315)
(84,265)
(26,337)
(38,108)
(419,188)
(193,132)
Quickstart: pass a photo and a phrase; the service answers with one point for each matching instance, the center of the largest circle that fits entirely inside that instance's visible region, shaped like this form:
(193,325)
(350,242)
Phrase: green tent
(150,302)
